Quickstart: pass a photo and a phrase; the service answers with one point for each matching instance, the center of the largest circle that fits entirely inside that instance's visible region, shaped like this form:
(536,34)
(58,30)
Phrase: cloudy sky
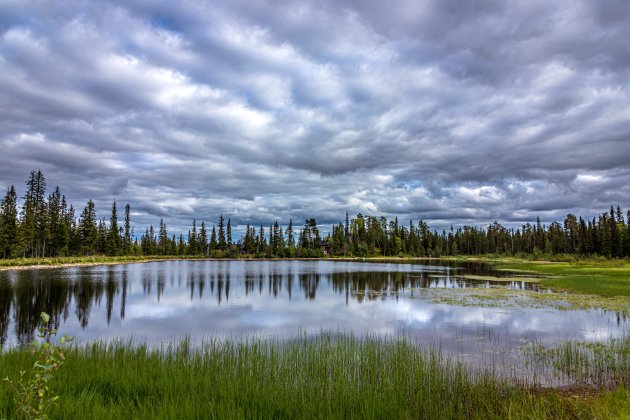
(445,110)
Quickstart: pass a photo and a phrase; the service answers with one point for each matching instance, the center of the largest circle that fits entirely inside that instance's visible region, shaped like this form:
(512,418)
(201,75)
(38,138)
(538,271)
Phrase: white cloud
(421,111)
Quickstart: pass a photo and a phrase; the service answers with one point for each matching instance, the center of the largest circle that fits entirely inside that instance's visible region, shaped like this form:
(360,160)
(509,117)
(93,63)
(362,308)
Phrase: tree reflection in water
(24,294)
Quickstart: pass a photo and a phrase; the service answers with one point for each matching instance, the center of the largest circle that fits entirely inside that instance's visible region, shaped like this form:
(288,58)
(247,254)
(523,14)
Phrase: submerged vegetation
(494,296)
(329,376)
(590,284)
(602,364)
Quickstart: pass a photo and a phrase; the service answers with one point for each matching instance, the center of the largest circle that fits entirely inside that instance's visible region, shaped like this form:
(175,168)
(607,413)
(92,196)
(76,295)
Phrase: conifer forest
(41,223)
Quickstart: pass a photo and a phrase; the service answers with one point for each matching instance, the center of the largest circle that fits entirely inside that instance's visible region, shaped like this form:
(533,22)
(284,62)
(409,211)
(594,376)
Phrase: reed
(329,376)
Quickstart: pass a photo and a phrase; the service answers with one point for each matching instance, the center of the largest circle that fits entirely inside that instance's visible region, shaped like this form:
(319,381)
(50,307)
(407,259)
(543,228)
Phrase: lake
(165,301)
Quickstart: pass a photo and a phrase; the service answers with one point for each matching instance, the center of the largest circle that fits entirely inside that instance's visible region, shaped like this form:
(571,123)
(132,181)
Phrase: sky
(454,112)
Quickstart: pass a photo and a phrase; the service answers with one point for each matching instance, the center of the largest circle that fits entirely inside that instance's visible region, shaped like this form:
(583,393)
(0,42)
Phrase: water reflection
(165,300)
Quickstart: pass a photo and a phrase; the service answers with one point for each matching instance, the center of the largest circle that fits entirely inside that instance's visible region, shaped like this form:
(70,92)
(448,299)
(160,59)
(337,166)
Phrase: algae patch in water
(528,279)
(508,298)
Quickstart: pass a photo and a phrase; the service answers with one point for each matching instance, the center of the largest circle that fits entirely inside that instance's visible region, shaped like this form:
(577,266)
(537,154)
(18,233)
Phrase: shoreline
(54,262)
(105,261)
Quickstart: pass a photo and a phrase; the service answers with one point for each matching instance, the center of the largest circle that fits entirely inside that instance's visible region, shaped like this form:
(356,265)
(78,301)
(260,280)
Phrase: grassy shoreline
(602,278)
(329,376)
(61,262)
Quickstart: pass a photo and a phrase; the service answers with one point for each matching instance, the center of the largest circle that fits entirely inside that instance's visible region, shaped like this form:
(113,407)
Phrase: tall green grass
(331,376)
(602,364)
(604,278)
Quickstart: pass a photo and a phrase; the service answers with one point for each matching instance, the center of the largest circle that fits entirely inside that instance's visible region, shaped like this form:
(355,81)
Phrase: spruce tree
(54,218)
(213,239)
(103,236)
(88,229)
(248,240)
(262,248)
(64,229)
(221,239)
(614,235)
(127,230)
(192,239)
(203,239)
(276,238)
(229,233)
(113,235)
(181,245)
(290,237)
(9,224)
(163,241)
(33,217)
(74,237)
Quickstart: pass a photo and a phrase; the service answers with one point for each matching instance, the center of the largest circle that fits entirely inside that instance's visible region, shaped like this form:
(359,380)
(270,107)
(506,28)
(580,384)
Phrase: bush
(33,395)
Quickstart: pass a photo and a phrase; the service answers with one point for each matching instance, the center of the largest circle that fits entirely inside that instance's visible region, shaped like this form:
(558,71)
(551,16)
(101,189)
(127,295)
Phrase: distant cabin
(325,247)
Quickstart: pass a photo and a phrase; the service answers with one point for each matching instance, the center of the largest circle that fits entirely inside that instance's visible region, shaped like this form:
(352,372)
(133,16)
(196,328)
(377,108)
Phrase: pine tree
(127,230)
(55,216)
(262,246)
(88,229)
(33,219)
(192,239)
(9,224)
(276,238)
(248,241)
(103,236)
(222,242)
(615,242)
(181,245)
(163,241)
(64,228)
(113,235)
(213,239)
(74,238)
(152,241)
(290,237)
(203,239)
(229,233)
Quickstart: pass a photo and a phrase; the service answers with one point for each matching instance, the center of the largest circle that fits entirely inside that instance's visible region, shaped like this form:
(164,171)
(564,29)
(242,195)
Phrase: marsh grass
(602,278)
(495,279)
(330,376)
(501,297)
(600,364)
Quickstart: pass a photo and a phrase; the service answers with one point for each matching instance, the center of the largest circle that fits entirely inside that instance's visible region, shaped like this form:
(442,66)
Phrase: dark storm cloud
(449,111)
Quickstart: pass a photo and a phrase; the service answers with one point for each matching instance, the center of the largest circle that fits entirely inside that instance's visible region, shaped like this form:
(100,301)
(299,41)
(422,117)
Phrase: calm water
(163,301)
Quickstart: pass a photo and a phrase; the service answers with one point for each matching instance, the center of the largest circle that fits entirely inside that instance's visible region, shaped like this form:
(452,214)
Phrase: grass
(58,261)
(603,278)
(329,376)
(586,363)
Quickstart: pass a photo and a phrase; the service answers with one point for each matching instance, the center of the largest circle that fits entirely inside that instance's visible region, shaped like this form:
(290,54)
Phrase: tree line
(47,226)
